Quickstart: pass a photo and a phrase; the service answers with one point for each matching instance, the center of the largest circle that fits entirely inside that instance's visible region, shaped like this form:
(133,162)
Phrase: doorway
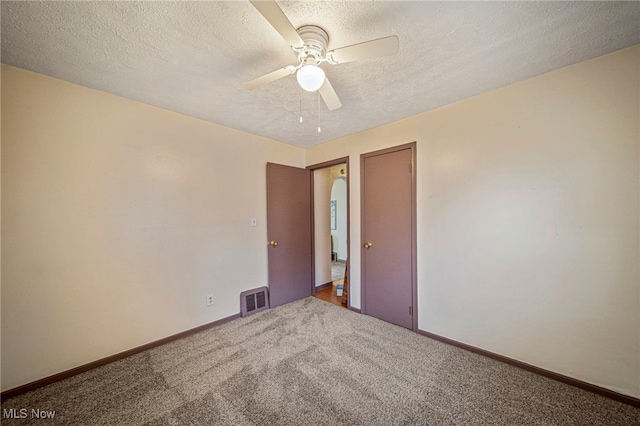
(331,230)
(338,221)
(388,250)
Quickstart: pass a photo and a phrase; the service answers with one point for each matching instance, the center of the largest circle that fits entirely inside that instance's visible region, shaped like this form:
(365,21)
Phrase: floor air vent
(252,301)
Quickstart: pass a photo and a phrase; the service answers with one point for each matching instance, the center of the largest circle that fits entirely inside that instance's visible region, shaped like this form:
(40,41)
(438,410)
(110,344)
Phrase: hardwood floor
(329,295)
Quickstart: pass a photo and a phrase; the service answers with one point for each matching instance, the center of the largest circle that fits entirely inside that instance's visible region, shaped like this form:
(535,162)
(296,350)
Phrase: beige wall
(528,219)
(117,220)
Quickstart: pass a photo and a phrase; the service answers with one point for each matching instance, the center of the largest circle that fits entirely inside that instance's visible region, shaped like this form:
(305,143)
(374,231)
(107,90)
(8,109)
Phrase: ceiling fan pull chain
(318,102)
(300,95)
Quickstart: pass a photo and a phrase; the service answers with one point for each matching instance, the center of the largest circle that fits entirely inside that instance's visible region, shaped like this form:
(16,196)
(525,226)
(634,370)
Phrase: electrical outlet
(209,299)
(254,221)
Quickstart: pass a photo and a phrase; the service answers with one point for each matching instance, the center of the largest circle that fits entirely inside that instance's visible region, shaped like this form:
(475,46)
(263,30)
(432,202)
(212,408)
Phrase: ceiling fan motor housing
(316,41)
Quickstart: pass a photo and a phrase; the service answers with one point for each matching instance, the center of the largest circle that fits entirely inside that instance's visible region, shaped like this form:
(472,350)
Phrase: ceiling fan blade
(386,46)
(278,20)
(268,78)
(329,95)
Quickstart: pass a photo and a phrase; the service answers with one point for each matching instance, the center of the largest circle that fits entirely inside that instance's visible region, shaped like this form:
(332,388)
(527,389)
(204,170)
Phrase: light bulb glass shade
(310,77)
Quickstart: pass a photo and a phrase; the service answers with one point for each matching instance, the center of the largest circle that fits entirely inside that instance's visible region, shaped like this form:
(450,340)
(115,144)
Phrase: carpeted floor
(313,363)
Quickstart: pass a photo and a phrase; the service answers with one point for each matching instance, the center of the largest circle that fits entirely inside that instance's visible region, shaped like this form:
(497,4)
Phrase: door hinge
(410,310)
(410,167)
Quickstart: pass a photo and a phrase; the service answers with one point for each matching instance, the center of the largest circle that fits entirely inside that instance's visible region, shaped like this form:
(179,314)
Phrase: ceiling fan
(309,43)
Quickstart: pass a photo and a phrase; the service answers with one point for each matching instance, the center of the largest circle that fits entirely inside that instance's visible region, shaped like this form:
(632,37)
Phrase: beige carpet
(312,363)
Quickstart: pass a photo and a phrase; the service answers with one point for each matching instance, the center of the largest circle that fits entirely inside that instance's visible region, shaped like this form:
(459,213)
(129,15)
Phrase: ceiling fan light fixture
(310,77)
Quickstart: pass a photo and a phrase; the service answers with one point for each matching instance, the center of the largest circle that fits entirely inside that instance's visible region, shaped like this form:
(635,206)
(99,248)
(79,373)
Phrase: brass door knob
(273,243)
(367,245)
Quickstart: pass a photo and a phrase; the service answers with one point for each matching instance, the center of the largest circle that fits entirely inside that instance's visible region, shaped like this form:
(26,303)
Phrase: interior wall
(528,219)
(117,220)
(322,227)
(339,194)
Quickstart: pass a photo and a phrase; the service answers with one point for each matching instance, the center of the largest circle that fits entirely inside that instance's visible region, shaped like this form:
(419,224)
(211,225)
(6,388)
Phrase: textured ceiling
(192,57)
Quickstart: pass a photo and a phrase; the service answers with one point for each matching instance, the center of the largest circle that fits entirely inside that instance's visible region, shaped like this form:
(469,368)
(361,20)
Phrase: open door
(289,233)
